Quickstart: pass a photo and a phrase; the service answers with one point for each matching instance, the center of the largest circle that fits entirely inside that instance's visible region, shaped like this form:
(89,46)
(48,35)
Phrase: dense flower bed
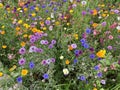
(60,44)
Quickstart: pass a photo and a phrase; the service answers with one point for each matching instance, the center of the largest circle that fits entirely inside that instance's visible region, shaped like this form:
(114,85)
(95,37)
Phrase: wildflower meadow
(59,44)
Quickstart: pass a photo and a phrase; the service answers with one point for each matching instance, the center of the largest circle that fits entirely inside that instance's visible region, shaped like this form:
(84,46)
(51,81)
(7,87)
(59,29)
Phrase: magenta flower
(22,61)
(22,50)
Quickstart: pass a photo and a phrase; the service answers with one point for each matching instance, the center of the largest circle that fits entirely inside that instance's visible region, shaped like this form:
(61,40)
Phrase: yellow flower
(17,28)
(71,11)
(67,62)
(57,23)
(25,35)
(1,5)
(48,18)
(20,22)
(33,14)
(4,46)
(24,72)
(68,24)
(36,8)
(3,26)
(2,32)
(1,74)
(94,88)
(101,53)
(25,9)
(44,28)
(23,44)
(12,68)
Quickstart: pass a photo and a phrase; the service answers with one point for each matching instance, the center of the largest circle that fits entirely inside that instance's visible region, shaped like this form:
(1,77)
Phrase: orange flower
(2,32)
(94,12)
(94,25)
(70,48)
(101,53)
(17,28)
(67,62)
(23,44)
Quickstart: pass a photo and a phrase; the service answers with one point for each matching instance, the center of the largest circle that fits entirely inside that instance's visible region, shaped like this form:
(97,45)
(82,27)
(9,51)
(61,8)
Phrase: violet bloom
(39,50)
(53,42)
(46,42)
(116,11)
(42,41)
(32,40)
(43,62)
(74,46)
(109,47)
(22,50)
(22,61)
(84,13)
(47,22)
(103,24)
(50,46)
(48,61)
(33,49)
(53,60)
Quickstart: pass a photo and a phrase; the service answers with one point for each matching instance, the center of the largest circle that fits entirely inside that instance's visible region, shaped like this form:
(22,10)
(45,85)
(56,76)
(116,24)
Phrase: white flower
(61,57)
(65,71)
(83,2)
(118,27)
(118,18)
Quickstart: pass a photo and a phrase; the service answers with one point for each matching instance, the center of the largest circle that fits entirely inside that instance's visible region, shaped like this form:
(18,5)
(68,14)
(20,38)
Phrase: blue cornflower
(76,51)
(75,61)
(83,40)
(32,8)
(88,30)
(92,56)
(64,0)
(55,9)
(99,74)
(96,67)
(45,76)
(86,45)
(31,65)
(19,79)
(43,6)
(82,78)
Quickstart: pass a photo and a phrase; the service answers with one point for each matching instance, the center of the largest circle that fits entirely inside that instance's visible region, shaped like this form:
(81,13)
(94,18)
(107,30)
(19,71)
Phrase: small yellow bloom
(17,28)
(23,44)
(67,62)
(71,11)
(44,28)
(1,5)
(101,53)
(68,24)
(94,88)
(25,9)
(3,26)
(48,18)
(12,68)
(24,72)
(57,23)
(1,74)
(33,14)
(20,22)
(25,35)
(94,25)
(36,8)
(4,46)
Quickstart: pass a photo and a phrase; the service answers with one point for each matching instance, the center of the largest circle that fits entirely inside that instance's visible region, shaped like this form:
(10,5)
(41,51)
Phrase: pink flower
(110,37)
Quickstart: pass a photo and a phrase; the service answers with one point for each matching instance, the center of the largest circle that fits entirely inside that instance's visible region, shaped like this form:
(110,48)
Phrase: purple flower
(42,41)
(48,61)
(99,74)
(82,78)
(76,51)
(84,13)
(75,61)
(50,46)
(22,61)
(45,76)
(83,40)
(31,65)
(39,50)
(74,46)
(32,40)
(43,62)
(96,67)
(92,56)
(47,22)
(103,23)
(116,11)
(53,60)
(86,45)
(19,79)
(109,47)
(103,81)
(43,6)
(46,42)
(88,30)
(33,49)
(53,42)
(22,50)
